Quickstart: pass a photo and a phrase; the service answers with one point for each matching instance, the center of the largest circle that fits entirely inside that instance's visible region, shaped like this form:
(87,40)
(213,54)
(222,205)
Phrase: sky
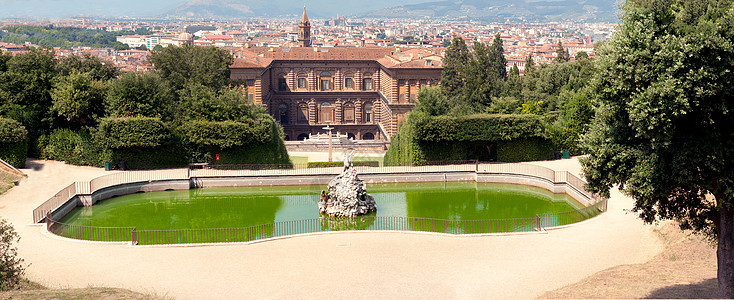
(65,8)
(146,8)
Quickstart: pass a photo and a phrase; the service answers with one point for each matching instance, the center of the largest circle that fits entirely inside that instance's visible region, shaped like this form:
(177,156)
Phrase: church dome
(185,36)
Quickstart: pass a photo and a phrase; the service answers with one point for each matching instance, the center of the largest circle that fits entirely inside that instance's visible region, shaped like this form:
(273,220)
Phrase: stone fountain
(347,195)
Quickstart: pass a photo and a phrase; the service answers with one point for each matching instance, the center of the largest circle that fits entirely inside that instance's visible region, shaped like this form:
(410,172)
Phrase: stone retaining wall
(134,183)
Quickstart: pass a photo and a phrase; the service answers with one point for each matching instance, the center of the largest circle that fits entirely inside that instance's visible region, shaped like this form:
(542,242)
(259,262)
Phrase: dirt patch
(685,269)
(7,181)
(86,293)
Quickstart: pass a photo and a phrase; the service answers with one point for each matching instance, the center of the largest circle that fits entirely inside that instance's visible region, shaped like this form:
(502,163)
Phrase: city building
(363,92)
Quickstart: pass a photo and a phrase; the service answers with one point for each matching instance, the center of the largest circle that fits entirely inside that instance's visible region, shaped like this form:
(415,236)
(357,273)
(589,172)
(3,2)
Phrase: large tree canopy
(664,131)
(208,66)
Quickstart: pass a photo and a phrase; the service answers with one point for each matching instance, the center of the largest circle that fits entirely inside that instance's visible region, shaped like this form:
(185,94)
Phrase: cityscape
(520,40)
(457,149)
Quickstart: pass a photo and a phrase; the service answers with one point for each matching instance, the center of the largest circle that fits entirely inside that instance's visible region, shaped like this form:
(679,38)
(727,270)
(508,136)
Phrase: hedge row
(505,138)
(149,143)
(13,142)
(479,128)
(76,147)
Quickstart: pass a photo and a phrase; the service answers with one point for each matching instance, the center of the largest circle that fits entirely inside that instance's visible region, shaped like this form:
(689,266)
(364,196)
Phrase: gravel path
(335,265)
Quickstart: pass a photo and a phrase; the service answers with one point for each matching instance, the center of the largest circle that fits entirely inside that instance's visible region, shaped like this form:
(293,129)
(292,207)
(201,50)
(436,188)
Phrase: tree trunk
(725,251)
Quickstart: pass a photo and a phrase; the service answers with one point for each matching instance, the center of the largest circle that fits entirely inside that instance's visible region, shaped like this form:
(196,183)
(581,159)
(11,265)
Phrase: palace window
(348,83)
(283,114)
(325,81)
(367,113)
(367,84)
(301,83)
(302,113)
(349,113)
(327,113)
(282,84)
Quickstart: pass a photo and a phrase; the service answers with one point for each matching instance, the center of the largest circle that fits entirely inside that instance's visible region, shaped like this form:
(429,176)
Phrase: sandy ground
(335,265)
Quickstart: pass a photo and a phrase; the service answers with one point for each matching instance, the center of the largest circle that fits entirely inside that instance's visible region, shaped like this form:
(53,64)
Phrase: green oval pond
(245,207)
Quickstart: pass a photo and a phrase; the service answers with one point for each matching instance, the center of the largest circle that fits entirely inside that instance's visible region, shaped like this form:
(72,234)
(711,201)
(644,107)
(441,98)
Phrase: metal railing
(326,224)
(221,235)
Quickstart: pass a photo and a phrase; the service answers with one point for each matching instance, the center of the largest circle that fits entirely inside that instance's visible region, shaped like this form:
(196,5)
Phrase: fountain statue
(347,196)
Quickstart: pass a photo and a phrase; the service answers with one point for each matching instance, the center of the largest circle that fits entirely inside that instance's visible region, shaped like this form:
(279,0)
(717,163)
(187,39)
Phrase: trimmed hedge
(115,133)
(142,143)
(505,138)
(479,128)
(13,142)
(327,164)
(257,142)
(74,147)
(227,134)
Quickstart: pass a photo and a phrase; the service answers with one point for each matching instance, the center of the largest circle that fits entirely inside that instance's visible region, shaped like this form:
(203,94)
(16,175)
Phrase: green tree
(432,101)
(455,60)
(478,80)
(78,98)
(139,94)
(498,66)
(561,54)
(96,67)
(529,65)
(208,66)
(663,127)
(199,102)
(24,90)
(11,266)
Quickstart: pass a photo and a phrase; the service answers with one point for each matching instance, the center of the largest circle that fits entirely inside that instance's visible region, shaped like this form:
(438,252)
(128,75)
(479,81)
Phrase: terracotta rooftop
(389,57)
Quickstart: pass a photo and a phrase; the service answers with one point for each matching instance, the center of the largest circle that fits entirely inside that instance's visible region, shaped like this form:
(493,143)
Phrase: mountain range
(509,10)
(489,10)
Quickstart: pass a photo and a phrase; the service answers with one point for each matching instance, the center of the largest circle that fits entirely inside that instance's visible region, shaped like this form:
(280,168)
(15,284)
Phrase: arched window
(302,82)
(302,113)
(348,112)
(350,135)
(326,114)
(367,113)
(368,136)
(283,114)
(302,137)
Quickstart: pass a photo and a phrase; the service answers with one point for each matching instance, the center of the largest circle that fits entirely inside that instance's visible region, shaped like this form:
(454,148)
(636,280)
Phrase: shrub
(11,266)
(75,147)
(13,142)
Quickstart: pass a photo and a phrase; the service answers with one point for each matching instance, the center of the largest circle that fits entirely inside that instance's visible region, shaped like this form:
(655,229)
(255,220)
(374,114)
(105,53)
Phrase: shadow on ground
(707,289)
(34,165)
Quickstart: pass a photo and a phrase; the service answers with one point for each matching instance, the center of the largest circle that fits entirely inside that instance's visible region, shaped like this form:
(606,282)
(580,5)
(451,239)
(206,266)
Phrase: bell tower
(304,33)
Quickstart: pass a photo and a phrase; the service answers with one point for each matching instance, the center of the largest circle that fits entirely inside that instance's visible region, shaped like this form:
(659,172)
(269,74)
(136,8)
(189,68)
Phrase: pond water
(245,207)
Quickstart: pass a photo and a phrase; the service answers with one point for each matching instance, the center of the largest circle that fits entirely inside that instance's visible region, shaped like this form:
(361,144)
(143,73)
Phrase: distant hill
(233,9)
(512,10)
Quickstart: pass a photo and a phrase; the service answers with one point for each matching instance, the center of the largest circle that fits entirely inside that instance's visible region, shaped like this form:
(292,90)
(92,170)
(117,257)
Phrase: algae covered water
(250,206)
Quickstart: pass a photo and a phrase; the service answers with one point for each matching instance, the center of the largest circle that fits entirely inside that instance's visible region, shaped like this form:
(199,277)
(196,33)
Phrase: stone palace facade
(364,92)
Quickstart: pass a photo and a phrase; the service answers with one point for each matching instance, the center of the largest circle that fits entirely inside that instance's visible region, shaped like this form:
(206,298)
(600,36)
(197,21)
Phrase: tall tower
(304,33)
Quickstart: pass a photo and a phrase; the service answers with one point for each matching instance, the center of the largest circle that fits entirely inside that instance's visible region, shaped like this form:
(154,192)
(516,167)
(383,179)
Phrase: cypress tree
(455,61)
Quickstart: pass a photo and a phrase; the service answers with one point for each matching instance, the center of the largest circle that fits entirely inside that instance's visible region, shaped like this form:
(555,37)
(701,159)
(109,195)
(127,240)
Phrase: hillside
(508,10)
